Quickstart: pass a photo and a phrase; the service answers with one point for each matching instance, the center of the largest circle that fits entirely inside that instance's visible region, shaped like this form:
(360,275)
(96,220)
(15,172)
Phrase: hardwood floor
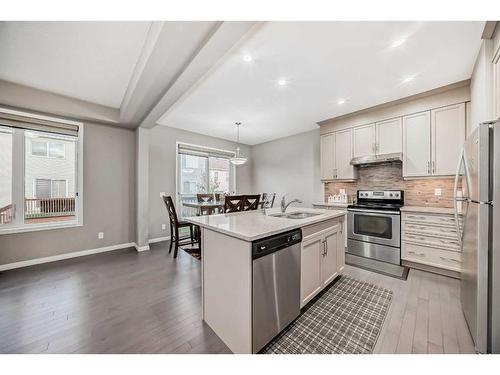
(129,302)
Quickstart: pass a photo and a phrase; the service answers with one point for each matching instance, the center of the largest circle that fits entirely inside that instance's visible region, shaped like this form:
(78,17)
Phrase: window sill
(39,227)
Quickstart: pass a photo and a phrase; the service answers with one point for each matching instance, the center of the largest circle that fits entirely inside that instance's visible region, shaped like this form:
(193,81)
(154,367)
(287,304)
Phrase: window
(202,170)
(48,149)
(46,188)
(38,148)
(43,157)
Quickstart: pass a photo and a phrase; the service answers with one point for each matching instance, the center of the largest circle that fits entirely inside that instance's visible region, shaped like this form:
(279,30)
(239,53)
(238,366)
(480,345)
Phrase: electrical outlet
(437,192)
(163,226)
(100,235)
(162,194)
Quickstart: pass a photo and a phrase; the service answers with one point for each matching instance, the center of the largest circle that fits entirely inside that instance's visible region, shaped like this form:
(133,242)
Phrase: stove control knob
(390,194)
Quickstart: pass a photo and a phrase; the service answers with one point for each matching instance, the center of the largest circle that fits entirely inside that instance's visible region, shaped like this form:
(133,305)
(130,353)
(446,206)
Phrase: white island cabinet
(227,263)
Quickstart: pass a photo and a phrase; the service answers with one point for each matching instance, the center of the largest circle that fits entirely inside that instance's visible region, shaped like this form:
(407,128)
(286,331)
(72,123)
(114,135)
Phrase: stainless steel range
(374,225)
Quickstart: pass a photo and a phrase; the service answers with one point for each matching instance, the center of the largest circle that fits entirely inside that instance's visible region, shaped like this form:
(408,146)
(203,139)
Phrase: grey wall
(289,165)
(162,170)
(109,187)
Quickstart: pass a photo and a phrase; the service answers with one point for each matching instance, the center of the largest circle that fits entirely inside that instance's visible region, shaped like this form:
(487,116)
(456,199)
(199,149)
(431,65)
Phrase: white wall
(289,165)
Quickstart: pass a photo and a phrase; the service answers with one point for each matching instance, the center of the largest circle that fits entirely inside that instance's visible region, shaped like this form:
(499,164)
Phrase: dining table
(210,206)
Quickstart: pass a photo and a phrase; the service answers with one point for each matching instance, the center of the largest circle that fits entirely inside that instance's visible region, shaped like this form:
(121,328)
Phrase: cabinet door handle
(433,167)
(428,167)
(452,260)
(415,253)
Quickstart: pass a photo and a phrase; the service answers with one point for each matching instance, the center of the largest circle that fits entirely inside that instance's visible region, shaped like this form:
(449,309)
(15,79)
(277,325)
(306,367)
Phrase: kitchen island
(227,264)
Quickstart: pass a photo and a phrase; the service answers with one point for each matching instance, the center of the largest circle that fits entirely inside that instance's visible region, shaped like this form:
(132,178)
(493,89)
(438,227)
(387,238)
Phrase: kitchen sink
(296,215)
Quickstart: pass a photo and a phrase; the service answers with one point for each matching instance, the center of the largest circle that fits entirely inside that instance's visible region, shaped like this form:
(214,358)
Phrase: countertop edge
(311,221)
(423,209)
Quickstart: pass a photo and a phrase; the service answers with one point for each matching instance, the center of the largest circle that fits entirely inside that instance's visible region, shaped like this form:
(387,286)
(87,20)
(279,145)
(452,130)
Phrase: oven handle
(374,212)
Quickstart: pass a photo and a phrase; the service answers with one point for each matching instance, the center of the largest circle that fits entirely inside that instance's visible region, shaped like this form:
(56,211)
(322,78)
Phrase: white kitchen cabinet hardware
(322,260)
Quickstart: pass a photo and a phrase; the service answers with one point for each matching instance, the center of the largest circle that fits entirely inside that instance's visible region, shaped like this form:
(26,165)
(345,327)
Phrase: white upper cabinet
(336,155)
(388,136)
(417,144)
(448,136)
(343,155)
(364,140)
(327,156)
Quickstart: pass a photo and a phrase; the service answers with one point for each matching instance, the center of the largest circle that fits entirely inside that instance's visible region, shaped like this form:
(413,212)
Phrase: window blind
(203,151)
(38,124)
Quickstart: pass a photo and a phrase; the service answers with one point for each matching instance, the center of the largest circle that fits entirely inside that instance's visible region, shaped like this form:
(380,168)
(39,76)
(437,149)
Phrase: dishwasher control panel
(275,243)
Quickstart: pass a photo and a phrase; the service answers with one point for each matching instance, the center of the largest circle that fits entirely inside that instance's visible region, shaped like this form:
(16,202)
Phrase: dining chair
(251,202)
(176,224)
(268,200)
(205,198)
(234,203)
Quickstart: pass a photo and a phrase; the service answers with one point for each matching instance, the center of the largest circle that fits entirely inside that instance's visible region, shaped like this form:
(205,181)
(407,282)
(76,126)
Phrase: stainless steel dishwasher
(276,285)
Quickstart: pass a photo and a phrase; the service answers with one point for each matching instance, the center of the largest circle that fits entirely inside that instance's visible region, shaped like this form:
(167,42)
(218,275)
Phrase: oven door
(379,227)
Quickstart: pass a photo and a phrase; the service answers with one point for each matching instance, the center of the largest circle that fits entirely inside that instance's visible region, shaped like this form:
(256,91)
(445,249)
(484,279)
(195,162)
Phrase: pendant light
(238,159)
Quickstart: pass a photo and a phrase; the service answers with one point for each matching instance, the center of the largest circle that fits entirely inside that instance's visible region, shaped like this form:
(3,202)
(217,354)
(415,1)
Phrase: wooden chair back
(251,202)
(172,214)
(268,200)
(234,203)
(205,198)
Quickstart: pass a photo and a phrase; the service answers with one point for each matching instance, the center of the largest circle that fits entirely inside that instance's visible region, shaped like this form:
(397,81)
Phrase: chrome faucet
(285,205)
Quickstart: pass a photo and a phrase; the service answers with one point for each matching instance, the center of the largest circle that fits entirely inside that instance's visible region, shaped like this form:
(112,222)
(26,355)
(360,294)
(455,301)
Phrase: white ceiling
(91,61)
(322,62)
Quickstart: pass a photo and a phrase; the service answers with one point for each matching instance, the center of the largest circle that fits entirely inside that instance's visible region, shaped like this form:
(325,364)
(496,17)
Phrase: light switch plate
(100,235)
(164,226)
(437,192)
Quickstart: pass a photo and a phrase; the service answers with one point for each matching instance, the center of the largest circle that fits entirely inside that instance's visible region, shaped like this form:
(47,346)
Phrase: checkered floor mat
(346,319)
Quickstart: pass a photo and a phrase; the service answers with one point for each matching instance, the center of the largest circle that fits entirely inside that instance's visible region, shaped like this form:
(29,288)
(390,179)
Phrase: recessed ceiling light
(247,58)
(282,82)
(398,42)
(408,79)
(340,101)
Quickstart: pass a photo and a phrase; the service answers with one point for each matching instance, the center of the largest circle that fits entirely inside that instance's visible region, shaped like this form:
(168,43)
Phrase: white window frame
(18,175)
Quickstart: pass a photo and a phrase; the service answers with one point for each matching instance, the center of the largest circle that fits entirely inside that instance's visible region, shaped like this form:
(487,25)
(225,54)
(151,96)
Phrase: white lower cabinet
(322,260)
(431,239)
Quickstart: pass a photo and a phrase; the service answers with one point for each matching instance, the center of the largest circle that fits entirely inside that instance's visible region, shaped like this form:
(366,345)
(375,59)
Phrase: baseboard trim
(55,258)
(159,239)
(141,248)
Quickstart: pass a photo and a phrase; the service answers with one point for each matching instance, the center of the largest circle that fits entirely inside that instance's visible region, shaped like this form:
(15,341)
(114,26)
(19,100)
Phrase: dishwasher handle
(275,243)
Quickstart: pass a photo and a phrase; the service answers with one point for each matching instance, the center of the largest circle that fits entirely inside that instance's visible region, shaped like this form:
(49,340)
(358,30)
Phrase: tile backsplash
(389,176)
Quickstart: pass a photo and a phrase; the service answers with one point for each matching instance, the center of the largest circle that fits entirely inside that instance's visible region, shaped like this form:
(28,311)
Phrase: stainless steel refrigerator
(479,174)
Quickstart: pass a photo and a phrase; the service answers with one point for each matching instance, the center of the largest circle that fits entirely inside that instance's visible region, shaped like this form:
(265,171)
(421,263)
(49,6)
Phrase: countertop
(331,204)
(253,225)
(432,210)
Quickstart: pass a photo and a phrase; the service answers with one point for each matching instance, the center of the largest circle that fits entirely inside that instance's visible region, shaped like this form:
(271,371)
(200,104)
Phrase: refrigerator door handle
(456,199)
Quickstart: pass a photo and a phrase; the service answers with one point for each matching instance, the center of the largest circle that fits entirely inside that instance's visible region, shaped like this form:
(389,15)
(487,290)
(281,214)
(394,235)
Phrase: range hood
(378,159)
